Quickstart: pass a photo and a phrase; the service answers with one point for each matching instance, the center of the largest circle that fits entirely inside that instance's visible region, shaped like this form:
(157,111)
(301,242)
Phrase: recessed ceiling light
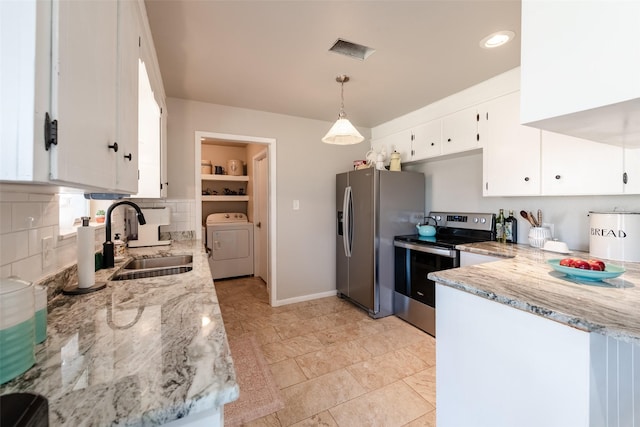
(496,39)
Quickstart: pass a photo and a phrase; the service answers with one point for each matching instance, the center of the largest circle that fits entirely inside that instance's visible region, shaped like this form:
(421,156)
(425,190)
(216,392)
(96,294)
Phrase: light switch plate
(47,251)
(296,205)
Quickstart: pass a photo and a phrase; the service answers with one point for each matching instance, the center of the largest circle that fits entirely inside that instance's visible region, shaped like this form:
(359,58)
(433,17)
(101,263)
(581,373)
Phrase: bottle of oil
(511,229)
(500,227)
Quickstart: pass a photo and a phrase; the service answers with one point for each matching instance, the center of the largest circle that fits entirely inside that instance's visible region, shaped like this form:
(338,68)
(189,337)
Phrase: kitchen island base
(500,366)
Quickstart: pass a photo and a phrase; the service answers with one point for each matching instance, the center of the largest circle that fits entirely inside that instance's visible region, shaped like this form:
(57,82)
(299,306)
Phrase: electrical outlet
(550,227)
(47,252)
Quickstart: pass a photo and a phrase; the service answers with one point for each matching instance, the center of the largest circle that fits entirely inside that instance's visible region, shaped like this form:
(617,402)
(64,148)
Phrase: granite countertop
(525,281)
(140,352)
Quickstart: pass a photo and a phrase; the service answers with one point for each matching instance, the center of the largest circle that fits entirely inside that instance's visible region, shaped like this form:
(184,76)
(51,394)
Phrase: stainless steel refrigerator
(372,207)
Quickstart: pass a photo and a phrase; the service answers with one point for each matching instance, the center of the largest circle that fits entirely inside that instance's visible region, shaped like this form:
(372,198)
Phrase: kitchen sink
(159,262)
(140,268)
(151,272)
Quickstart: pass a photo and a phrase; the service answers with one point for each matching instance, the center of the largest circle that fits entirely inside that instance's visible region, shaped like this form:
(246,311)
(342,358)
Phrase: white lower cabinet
(511,152)
(502,367)
(574,166)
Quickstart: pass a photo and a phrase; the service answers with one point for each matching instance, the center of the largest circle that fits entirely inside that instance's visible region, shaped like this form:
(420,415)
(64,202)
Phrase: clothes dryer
(230,245)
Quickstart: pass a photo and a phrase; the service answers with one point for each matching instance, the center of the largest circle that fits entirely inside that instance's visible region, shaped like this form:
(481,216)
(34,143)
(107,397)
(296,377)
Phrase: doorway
(262,155)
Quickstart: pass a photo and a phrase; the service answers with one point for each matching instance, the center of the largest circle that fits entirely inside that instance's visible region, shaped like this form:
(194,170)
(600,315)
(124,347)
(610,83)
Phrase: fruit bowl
(610,271)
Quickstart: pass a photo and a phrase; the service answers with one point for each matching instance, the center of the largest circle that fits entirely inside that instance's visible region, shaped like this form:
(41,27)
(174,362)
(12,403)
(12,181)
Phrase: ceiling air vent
(352,50)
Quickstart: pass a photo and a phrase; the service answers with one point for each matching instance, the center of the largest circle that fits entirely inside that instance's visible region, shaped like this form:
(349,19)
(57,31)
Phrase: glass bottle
(511,228)
(500,227)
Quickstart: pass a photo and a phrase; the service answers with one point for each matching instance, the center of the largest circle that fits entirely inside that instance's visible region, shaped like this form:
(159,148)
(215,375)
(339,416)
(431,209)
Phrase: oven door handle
(346,221)
(449,253)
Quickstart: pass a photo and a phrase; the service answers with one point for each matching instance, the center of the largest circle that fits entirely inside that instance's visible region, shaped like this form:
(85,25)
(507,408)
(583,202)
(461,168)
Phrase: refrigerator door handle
(346,221)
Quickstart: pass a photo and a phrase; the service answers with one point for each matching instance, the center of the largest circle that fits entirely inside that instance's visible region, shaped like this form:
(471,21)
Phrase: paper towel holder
(75,289)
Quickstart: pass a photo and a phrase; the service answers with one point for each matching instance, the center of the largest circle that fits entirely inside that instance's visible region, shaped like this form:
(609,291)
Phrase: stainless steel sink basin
(160,262)
(151,272)
(140,268)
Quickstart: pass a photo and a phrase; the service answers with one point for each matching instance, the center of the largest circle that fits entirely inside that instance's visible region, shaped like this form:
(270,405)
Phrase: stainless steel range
(416,256)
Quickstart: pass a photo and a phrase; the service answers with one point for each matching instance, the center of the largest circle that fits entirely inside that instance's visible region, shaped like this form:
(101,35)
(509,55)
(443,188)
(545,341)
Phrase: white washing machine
(230,245)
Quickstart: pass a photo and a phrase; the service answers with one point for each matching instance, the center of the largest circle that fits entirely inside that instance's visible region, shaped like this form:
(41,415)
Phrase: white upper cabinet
(511,152)
(84,102)
(85,78)
(460,131)
(631,175)
(580,68)
(426,140)
(574,166)
(25,85)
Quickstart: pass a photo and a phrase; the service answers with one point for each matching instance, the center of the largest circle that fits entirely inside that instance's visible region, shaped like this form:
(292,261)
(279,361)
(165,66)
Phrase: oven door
(415,296)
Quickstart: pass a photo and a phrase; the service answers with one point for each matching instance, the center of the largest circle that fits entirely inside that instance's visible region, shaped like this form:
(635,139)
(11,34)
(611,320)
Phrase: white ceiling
(273,55)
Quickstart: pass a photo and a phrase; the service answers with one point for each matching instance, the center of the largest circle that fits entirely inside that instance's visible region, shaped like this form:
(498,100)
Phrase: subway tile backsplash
(29,214)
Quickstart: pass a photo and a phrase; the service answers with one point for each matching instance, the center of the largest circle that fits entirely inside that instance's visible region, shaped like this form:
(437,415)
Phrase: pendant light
(342,132)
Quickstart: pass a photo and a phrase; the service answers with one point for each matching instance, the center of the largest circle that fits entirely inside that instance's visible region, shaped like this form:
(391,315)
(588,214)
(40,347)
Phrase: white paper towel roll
(86,256)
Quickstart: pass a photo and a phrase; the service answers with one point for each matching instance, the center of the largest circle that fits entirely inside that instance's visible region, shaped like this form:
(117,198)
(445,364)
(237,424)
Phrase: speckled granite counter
(525,281)
(140,352)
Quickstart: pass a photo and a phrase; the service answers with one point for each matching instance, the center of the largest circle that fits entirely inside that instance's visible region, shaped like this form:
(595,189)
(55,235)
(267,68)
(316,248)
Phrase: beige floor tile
(266,335)
(270,420)
(393,405)
(393,339)
(288,349)
(287,373)
(427,420)
(390,367)
(316,395)
(331,358)
(424,383)
(323,419)
(425,349)
(346,332)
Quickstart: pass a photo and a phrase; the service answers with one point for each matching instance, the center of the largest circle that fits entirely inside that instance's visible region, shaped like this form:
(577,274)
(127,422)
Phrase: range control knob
(438,217)
(475,220)
(483,220)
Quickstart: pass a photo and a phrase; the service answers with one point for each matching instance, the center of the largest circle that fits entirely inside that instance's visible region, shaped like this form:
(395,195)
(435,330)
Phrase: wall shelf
(210,177)
(225,198)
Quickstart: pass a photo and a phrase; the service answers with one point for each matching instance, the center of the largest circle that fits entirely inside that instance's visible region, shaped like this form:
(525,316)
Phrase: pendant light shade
(342,132)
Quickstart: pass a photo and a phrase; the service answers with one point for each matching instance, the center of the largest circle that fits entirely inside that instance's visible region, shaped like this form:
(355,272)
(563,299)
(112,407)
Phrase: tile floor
(335,366)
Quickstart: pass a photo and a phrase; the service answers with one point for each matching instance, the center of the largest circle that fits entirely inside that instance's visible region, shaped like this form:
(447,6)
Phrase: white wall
(456,184)
(305,171)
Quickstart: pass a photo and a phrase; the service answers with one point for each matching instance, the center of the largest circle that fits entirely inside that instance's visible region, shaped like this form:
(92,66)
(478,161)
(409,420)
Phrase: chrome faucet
(107,247)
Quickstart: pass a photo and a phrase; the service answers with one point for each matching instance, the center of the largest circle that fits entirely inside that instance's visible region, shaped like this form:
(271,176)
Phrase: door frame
(263,154)
(270,144)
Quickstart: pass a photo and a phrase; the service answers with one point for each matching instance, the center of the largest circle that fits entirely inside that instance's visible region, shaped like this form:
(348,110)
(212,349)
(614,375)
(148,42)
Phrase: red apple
(581,264)
(566,262)
(596,264)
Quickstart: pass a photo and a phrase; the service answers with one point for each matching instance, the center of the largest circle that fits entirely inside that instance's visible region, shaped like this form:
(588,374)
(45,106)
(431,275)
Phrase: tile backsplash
(29,214)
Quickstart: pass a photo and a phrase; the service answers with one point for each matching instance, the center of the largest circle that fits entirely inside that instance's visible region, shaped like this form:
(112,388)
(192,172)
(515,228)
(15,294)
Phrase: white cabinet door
(580,68)
(511,153)
(127,159)
(427,140)
(574,166)
(85,70)
(632,170)
(460,131)
(25,88)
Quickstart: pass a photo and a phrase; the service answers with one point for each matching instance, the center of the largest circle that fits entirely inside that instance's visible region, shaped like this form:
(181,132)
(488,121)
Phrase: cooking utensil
(533,219)
(539,217)
(525,215)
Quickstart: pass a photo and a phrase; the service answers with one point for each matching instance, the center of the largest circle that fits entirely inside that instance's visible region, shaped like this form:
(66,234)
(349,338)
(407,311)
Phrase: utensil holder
(538,236)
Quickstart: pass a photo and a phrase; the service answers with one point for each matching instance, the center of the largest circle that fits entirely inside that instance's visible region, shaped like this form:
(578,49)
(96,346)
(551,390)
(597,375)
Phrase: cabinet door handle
(448,139)
(114,147)
(558,177)
(433,143)
(526,178)
(128,156)
(625,178)
(259,224)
